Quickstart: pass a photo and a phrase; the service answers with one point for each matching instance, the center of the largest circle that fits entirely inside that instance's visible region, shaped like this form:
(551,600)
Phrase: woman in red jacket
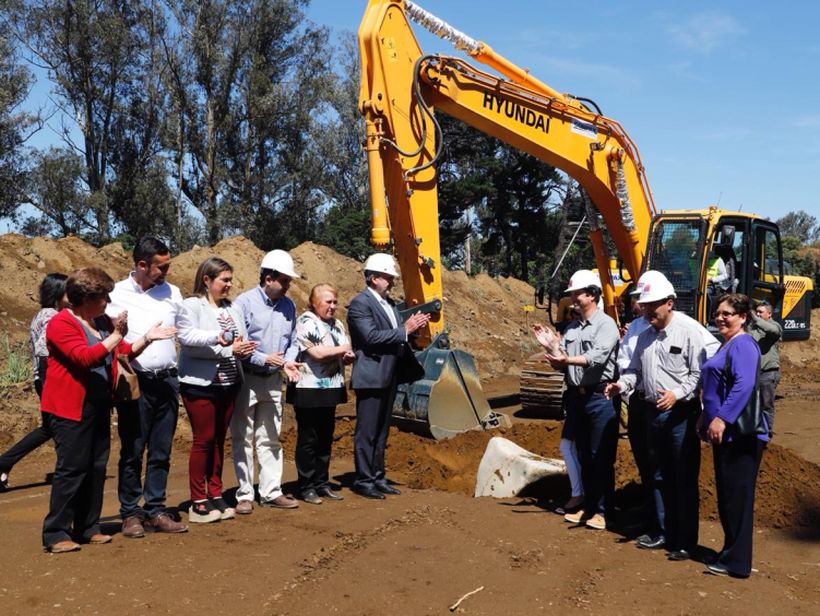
(83,345)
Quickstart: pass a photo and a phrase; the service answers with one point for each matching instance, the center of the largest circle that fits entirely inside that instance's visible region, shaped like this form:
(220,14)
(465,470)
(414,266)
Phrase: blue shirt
(270,325)
(718,399)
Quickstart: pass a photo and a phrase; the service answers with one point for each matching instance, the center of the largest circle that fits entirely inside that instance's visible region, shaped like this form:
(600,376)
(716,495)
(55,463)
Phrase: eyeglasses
(724,313)
(283,280)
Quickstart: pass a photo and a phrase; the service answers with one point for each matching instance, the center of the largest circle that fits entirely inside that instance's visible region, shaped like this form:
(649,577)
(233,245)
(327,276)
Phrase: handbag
(128,385)
(750,422)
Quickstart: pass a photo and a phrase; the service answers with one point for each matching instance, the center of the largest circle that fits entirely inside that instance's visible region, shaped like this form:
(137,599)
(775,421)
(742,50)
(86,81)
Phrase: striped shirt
(227,373)
(670,359)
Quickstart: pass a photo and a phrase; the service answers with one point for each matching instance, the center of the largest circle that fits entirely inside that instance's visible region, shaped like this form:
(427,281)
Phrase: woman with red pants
(210,377)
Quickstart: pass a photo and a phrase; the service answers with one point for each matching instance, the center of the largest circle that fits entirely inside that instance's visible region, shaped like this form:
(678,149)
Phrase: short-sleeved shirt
(312,331)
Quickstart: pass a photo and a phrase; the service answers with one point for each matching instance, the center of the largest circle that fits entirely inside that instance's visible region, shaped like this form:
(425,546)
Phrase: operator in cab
(586,354)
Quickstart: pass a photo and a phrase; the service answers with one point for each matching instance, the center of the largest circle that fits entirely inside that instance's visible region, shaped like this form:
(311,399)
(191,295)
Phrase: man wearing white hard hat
(586,354)
(665,368)
(270,318)
(379,339)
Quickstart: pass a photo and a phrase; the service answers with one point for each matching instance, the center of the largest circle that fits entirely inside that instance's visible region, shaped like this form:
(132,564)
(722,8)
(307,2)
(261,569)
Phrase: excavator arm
(400,91)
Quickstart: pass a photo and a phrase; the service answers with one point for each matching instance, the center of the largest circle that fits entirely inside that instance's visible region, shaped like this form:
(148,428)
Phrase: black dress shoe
(722,571)
(717,569)
(310,496)
(678,555)
(386,488)
(647,542)
(369,493)
(329,493)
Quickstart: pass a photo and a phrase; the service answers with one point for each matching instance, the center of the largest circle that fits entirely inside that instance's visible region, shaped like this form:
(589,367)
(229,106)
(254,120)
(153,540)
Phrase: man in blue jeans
(666,367)
(149,423)
(587,354)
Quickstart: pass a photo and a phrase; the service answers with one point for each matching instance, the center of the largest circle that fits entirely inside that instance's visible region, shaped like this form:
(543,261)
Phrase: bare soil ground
(419,552)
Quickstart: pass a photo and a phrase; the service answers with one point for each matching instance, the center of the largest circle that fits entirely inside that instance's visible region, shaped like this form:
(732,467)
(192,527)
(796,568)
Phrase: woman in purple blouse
(729,381)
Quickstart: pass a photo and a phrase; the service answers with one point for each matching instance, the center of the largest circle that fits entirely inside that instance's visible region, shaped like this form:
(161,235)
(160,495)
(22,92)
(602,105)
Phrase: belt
(257,371)
(158,374)
(597,388)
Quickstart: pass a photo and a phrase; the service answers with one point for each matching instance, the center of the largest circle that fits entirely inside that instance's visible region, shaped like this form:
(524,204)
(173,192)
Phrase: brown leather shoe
(244,507)
(61,547)
(132,527)
(280,502)
(164,523)
(99,539)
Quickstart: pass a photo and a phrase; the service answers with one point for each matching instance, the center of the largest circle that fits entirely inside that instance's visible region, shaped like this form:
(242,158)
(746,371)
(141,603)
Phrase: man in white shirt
(149,423)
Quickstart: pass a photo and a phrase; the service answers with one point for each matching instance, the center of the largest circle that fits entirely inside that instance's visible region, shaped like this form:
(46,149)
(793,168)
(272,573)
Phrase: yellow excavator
(402,88)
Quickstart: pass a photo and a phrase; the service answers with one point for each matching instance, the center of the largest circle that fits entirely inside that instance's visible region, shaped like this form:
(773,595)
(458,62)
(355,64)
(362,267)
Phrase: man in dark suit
(379,340)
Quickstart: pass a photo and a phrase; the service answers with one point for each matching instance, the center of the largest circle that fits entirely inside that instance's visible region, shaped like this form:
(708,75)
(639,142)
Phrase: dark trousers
(637,429)
(313,444)
(768,384)
(79,476)
(736,466)
(148,423)
(674,465)
(596,438)
(210,418)
(24,446)
(373,408)
(32,440)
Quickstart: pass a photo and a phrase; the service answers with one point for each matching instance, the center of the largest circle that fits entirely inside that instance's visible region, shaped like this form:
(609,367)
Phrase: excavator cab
(686,247)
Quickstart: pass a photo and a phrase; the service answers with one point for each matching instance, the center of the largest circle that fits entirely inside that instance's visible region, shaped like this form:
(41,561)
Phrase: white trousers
(570,453)
(256,421)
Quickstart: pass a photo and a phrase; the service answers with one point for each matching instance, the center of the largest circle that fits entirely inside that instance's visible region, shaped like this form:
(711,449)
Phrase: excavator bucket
(449,398)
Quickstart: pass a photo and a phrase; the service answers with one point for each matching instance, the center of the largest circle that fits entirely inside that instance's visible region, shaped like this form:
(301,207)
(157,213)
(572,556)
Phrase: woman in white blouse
(210,378)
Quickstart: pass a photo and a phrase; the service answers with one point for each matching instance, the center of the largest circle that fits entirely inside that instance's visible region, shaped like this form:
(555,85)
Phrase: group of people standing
(235,358)
(105,344)
(681,386)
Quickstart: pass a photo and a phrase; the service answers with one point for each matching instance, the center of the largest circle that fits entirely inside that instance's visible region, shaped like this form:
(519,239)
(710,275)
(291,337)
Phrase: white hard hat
(381,263)
(280,261)
(582,279)
(654,287)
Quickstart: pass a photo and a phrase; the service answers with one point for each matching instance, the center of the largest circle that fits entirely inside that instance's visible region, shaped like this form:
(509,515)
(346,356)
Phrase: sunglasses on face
(724,313)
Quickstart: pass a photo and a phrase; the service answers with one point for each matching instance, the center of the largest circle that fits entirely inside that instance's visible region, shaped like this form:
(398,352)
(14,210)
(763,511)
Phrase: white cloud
(591,70)
(706,31)
(724,135)
(809,121)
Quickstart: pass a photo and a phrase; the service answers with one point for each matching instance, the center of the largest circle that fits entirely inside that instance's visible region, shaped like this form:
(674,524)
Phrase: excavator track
(541,388)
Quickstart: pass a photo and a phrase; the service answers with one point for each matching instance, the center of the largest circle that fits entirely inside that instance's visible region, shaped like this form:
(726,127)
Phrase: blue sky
(721,98)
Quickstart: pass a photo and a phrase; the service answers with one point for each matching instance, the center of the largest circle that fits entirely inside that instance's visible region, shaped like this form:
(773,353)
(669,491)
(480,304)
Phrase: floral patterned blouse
(312,331)
(38,337)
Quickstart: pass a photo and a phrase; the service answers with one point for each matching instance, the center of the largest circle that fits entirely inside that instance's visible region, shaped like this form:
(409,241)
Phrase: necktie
(390,314)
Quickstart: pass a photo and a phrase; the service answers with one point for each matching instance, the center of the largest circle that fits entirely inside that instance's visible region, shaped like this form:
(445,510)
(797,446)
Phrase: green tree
(90,49)
(15,81)
(56,191)
(247,78)
(801,225)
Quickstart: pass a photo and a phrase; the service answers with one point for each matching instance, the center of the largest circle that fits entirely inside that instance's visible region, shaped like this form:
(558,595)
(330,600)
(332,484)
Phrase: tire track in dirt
(320,565)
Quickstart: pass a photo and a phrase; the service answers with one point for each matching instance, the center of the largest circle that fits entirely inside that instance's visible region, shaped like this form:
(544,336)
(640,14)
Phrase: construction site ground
(420,552)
